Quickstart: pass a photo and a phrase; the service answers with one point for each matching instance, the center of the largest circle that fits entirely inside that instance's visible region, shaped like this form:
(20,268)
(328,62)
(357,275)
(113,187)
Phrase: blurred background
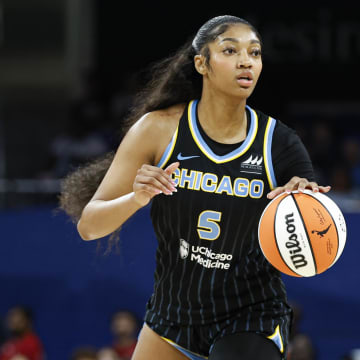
(68,73)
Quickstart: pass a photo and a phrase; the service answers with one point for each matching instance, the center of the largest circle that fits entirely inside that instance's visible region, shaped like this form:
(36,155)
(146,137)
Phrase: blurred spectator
(301,348)
(85,139)
(340,179)
(88,133)
(84,353)
(107,353)
(351,159)
(2,331)
(353,355)
(322,151)
(23,342)
(300,344)
(124,327)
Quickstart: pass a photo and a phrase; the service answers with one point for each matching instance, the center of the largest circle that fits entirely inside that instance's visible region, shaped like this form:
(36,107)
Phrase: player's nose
(243,60)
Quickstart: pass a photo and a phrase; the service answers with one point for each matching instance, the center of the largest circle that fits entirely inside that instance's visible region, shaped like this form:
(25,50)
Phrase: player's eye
(229,51)
(256,52)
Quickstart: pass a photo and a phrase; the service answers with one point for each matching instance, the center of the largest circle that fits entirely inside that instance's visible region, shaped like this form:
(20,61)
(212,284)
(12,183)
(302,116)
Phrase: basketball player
(209,163)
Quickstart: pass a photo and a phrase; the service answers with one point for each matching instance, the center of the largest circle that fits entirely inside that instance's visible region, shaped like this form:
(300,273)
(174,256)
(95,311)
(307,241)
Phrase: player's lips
(245,78)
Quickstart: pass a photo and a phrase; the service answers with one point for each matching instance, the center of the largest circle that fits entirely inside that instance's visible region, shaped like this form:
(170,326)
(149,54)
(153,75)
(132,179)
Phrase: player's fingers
(302,184)
(324,189)
(297,183)
(163,178)
(272,194)
(313,186)
(155,183)
(172,167)
(158,174)
(292,184)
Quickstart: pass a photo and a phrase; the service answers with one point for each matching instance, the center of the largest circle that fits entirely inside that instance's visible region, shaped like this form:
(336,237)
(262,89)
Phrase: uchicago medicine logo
(204,256)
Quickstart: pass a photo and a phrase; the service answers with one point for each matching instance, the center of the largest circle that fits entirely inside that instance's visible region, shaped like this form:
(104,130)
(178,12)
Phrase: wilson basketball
(302,234)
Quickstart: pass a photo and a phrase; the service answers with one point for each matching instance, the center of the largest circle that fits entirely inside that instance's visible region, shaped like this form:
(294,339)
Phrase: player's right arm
(292,163)
(133,178)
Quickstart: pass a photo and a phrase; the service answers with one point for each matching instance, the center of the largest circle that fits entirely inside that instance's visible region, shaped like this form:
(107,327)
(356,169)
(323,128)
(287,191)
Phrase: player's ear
(200,64)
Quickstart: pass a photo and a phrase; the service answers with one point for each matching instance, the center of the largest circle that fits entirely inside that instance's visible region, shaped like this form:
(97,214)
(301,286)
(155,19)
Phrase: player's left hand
(300,184)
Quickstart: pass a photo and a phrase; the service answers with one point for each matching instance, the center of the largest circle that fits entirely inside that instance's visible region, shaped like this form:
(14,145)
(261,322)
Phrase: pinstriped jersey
(209,266)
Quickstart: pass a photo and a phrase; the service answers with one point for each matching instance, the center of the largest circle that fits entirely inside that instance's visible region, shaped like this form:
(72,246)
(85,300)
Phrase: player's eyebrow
(254,41)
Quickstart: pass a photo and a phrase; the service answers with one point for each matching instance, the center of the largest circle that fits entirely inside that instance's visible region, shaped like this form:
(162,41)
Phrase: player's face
(235,61)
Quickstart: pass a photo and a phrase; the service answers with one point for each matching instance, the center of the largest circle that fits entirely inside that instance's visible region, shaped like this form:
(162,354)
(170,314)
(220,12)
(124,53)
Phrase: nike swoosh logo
(180,157)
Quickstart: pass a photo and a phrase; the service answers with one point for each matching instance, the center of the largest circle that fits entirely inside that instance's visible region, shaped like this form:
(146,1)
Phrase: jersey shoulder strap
(171,146)
(267,124)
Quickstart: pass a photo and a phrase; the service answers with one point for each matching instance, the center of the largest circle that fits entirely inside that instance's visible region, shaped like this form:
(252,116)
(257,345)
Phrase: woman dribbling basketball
(209,163)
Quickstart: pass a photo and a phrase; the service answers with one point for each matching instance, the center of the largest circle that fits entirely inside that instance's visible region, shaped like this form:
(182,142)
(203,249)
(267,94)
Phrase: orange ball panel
(321,230)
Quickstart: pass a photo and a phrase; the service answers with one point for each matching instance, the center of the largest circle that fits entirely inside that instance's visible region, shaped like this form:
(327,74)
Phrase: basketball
(302,233)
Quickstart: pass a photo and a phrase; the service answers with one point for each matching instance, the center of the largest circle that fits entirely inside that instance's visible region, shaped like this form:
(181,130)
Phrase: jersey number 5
(208,227)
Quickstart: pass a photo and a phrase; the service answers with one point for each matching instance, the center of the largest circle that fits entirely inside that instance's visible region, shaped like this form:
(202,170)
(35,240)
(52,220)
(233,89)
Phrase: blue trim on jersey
(168,151)
(268,158)
(277,339)
(186,352)
(206,149)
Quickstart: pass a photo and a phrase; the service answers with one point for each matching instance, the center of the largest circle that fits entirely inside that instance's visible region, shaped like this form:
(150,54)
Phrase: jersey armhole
(168,151)
(269,131)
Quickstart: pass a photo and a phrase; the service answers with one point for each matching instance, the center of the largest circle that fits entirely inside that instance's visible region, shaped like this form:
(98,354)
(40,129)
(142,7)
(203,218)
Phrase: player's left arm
(292,163)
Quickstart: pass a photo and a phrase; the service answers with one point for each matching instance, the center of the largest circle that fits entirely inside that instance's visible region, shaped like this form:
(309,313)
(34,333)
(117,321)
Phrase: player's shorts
(196,341)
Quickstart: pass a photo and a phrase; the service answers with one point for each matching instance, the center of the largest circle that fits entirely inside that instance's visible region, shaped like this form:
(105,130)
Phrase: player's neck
(223,118)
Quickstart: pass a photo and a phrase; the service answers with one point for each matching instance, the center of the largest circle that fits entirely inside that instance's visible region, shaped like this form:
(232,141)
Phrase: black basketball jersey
(209,266)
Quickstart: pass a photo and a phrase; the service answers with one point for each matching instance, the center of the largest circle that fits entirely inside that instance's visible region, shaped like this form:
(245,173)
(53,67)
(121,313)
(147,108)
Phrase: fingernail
(301,189)
(288,191)
(316,190)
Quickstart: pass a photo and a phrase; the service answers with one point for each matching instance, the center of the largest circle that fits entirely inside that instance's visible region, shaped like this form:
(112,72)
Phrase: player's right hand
(151,181)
